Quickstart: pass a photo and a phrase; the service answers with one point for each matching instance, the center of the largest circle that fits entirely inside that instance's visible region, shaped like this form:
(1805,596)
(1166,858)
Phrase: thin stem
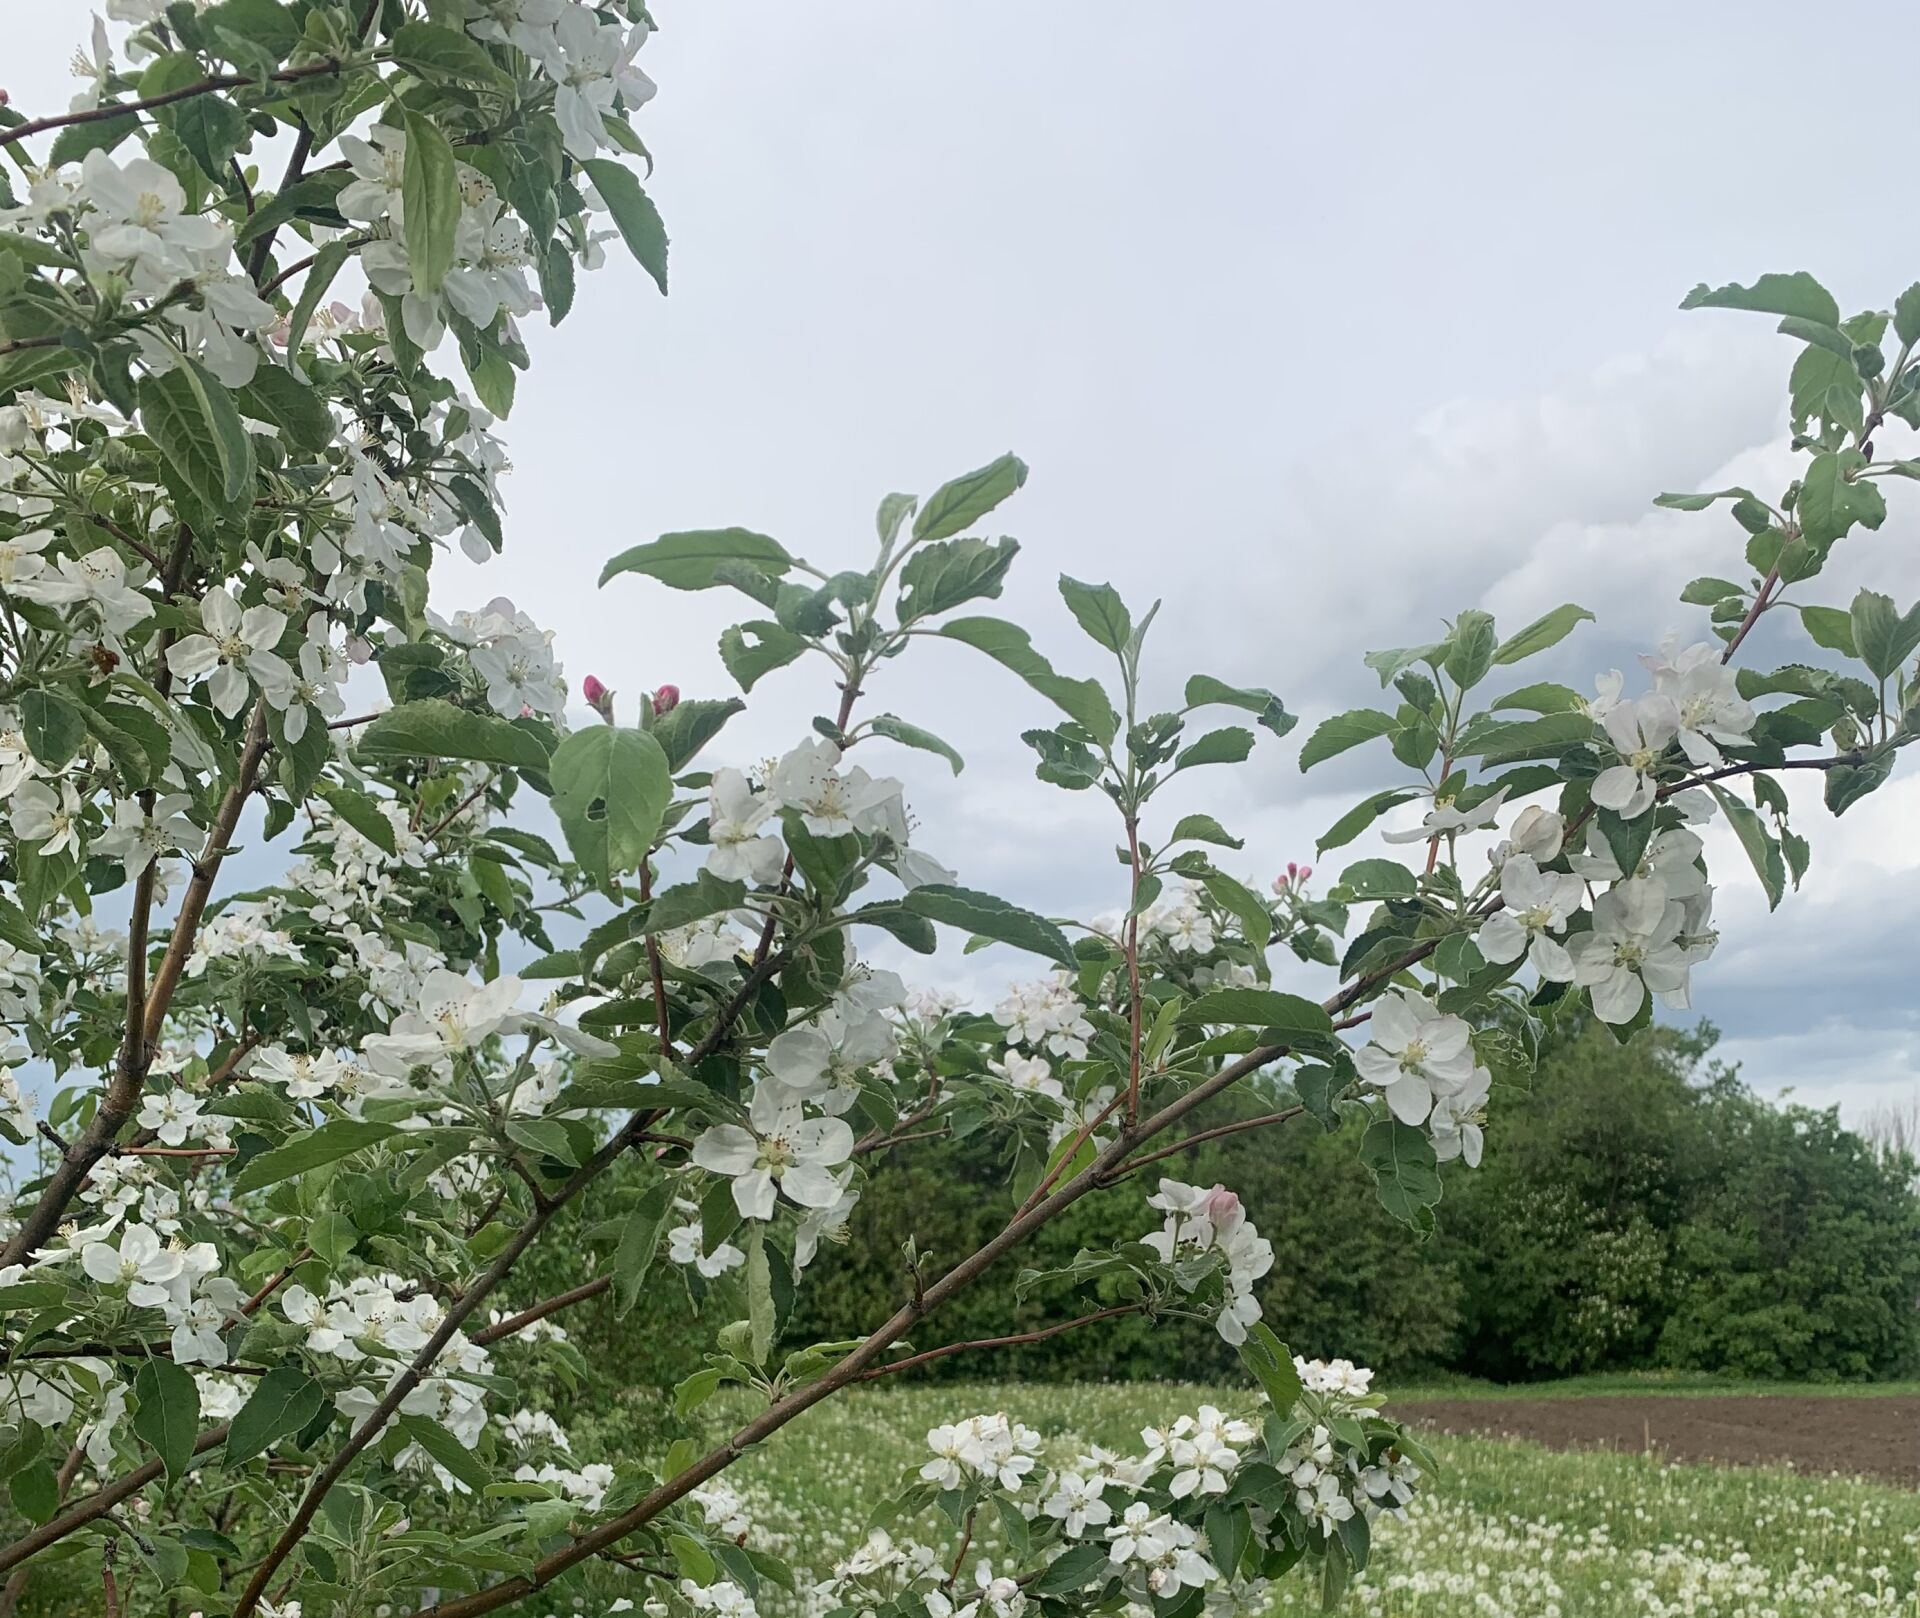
(1134,999)
(515,1324)
(186,92)
(1012,1340)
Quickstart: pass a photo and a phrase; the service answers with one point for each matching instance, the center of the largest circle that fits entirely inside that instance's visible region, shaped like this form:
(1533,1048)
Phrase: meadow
(1512,1530)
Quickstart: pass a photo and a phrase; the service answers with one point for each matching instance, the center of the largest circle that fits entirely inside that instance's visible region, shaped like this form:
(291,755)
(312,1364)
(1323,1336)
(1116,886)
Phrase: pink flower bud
(666,699)
(1223,1209)
(1305,872)
(5,99)
(1293,871)
(593,690)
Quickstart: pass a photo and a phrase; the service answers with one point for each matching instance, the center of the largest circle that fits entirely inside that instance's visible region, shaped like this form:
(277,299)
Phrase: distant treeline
(1639,1208)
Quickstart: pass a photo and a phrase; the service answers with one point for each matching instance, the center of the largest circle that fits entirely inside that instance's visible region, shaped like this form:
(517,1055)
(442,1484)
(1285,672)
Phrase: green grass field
(1511,1531)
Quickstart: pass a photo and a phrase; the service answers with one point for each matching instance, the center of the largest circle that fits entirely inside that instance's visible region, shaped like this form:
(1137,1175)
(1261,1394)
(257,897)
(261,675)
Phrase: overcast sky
(1319,324)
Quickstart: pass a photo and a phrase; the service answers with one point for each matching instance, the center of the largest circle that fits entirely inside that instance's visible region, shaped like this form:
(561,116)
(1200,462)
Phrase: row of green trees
(1643,1209)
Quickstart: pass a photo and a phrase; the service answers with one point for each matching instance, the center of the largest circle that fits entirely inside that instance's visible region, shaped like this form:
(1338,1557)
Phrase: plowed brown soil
(1876,1437)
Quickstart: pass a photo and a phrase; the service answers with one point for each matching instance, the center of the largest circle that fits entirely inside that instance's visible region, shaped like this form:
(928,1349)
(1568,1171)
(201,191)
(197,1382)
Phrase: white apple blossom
(780,1151)
(236,652)
(1538,905)
(1415,1053)
(740,852)
(1634,947)
(1640,732)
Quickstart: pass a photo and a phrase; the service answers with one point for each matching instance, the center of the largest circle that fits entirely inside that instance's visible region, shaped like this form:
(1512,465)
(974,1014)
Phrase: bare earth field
(1877,1437)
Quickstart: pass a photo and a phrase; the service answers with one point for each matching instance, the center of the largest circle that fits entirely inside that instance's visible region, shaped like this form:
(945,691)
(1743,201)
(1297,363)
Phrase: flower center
(1414,1054)
(149,210)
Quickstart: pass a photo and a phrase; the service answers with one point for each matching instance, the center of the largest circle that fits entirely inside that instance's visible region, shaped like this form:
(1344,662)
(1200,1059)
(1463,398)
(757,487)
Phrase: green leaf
(1543,632)
(634,214)
(760,1314)
(1761,849)
(544,1137)
(955,506)
(452,1455)
(1831,501)
(1699,502)
(1293,1018)
(990,917)
(1906,315)
(1334,736)
(360,812)
(192,422)
(1510,741)
(1795,294)
(54,726)
(692,559)
(279,397)
(1831,628)
(1705,591)
(1228,1533)
(639,1243)
(1204,688)
(1271,1362)
(1469,649)
(1379,879)
(1406,1176)
(939,577)
(333,1140)
(17,930)
(429,51)
(610,789)
(916,932)
(1847,784)
(1230,745)
(1361,816)
(898,730)
(1883,639)
(1098,609)
(1011,647)
(1244,905)
(212,128)
(706,895)
(434,728)
(281,1404)
(1204,829)
(314,287)
(771,648)
(1074,1570)
(1543,698)
(430,195)
(168,1419)
(688,726)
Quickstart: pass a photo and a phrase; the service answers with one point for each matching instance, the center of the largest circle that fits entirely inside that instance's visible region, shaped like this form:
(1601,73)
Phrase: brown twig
(1018,1339)
(1203,1136)
(186,92)
(515,1324)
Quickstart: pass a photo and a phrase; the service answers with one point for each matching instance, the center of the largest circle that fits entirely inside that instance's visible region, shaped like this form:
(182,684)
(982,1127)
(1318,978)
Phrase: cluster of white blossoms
(994,1449)
(743,830)
(1158,1553)
(1046,1015)
(1210,1220)
(1695,701)
(781,1149)
(1204,1449)
(512,655)
(1422,1060)
(588,57)
(180,1280)
(377,1324)
(135,227)
(1331,1483)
